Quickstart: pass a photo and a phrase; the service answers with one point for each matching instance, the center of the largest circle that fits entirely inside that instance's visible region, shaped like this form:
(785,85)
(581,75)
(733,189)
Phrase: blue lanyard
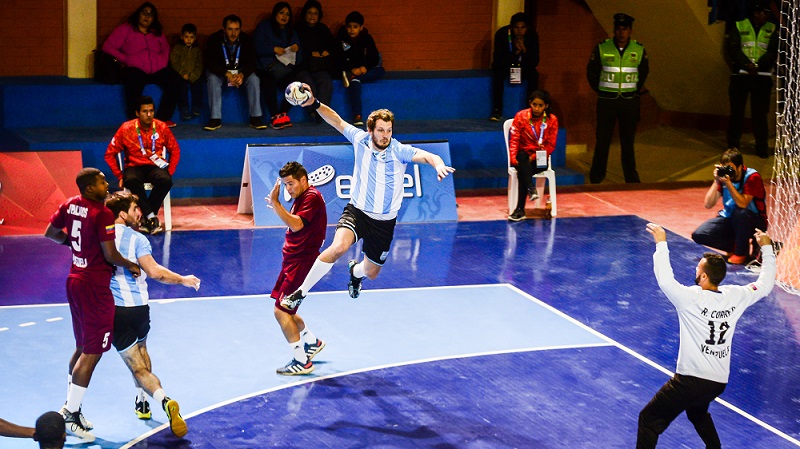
(542,127)
(225,53)
(153,138)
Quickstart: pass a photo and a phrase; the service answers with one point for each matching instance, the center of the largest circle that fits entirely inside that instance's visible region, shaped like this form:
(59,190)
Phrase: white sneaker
(75,427)
(86,423)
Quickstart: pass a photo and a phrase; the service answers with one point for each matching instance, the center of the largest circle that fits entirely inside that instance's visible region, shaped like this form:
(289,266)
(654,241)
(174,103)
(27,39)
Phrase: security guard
(617,71)
(753,50)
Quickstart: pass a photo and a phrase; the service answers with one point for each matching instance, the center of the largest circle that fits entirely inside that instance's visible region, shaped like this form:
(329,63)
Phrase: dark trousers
(196,89)
(270,86)
(730,234)
(681,393)
(166,78)
(609,112)
(759,88)
(525,172)
(322,86)
(354,91)
(499,77)
(133,179)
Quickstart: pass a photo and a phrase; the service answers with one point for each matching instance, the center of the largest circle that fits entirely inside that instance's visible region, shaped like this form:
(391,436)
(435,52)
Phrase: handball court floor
(477,334)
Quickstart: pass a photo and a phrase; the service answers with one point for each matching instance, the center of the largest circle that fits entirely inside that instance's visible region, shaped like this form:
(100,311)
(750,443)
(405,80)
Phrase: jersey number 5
(723,327)
(76,233)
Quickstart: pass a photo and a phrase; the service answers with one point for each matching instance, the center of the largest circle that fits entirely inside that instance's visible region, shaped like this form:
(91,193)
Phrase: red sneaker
(281,121)
(737,260)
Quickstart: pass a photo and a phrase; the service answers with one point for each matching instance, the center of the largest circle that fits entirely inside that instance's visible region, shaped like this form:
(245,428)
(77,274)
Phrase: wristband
(314,106)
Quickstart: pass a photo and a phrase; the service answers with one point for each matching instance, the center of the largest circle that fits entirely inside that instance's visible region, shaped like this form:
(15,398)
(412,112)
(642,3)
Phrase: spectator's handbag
(107,69)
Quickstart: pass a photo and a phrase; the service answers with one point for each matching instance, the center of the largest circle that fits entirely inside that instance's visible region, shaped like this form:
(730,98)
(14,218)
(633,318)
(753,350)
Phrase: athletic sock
(318,270)
(299,351)
(159,395)
(358,270)
(75,397)
(141,396)
(69,382)
(307,336)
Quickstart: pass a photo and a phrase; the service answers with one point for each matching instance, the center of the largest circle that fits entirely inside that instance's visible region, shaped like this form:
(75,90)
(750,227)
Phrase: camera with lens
(726,170)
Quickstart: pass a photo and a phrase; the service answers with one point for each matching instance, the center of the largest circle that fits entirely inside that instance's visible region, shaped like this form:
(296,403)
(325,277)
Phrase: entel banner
(330,170)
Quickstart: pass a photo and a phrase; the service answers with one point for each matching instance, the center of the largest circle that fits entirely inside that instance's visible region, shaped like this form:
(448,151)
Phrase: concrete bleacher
(56,113)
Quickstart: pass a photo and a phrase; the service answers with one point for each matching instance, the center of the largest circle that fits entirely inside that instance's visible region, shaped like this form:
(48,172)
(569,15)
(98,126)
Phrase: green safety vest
(620,72)
(754,47)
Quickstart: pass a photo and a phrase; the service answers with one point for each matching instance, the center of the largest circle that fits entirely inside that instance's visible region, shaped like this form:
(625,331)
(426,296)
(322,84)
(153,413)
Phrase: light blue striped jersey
(127,291)
(377,188)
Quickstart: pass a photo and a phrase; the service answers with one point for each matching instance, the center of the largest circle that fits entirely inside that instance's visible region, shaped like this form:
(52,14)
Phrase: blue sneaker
(354,286)
(295,368)
(314,349)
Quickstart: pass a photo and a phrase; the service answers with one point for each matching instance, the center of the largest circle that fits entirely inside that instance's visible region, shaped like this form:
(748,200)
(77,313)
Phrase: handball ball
(296,94)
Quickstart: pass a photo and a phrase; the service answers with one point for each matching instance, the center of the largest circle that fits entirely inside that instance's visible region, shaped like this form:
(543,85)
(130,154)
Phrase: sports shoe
(737,260)
(75,426)
(293,301)
(496,116)
(154,225)
(144,226)
(314,349)
(532,193)
(176,422)
(186,115)
(518,215)
(357,121)
(295,368)
(257,123)
(354,286)
(170,124)
(281,121)
(213,125)
(86,423)
(142,409)
(345,80)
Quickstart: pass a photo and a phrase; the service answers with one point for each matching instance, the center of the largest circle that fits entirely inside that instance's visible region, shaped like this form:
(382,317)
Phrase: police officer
(753,50)
(617,71)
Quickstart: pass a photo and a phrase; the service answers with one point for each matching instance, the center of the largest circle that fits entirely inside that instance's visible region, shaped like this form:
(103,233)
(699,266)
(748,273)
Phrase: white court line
(654,365)
(358,371)
(51,320)
(29,323)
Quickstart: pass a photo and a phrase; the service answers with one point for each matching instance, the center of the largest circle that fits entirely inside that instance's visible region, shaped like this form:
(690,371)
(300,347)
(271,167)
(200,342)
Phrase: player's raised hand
(273,197)
(762,238)
(311,99)
(658,233)
(443,170)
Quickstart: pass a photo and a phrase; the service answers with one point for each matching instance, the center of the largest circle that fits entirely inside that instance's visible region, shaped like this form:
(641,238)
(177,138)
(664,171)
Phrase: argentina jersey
(377,187)
(127,291)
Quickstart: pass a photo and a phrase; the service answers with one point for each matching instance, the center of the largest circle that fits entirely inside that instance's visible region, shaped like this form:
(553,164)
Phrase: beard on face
(378,145)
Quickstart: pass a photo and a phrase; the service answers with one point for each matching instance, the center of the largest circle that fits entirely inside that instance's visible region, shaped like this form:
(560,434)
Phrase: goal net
(784,212)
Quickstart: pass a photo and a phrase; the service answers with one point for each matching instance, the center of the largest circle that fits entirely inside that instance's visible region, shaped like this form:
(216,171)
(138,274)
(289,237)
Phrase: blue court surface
(539,334)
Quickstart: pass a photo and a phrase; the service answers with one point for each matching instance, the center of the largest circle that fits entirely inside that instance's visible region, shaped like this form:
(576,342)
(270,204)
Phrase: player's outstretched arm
(658,233)
(164,275)
(8,429)
(425,157)
(329,115)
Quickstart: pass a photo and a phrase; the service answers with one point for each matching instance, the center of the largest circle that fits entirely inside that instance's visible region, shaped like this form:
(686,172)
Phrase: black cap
(622,20)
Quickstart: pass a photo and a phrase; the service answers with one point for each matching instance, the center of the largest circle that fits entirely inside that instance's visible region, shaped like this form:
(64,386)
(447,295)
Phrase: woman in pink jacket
(142,49)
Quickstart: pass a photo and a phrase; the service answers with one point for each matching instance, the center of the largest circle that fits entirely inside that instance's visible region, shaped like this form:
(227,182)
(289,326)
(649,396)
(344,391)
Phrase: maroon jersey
(310,206)
(87,223)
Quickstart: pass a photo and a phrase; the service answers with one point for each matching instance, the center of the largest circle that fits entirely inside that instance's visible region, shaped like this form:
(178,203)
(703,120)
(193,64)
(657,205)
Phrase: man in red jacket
(151,155)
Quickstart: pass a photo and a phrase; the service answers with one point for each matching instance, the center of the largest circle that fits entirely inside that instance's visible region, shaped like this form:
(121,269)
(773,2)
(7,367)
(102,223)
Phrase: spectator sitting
(319,50)
(187,61)
(50,431)
(361,60)
(140,46)
(279,59)
(231,58)
(744,208)
(516,55)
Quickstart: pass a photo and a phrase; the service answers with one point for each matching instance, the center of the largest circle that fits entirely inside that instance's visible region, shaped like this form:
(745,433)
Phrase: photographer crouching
(744,208)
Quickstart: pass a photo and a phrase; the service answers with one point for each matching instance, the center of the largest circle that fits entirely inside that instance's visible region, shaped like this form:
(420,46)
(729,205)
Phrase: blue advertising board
(330,169)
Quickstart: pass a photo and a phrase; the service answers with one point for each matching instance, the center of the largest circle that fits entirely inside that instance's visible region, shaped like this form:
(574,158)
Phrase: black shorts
(131,325)
(377,234)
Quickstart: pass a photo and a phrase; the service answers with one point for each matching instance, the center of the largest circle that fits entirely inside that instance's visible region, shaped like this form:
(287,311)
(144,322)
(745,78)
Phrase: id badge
(541,158)
(515,75)
(160,163)
(232,72)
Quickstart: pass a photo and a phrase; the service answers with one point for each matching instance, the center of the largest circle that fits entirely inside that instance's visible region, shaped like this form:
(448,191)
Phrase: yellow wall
(81,37)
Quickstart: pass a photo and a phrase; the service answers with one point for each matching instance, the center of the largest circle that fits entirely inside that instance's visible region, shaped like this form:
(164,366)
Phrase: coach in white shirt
(376,195)
(707,313)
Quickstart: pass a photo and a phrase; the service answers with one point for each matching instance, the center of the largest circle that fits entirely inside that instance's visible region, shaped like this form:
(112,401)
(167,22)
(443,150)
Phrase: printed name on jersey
(79,262)
(720,353)
(78,211)
(718,314)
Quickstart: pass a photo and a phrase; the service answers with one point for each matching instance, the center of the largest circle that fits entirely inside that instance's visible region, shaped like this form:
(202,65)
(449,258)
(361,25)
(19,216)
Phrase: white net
(784,204)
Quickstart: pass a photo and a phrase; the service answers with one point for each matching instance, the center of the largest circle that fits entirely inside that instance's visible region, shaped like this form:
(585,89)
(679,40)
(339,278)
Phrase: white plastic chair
(167,204)
(513,182)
